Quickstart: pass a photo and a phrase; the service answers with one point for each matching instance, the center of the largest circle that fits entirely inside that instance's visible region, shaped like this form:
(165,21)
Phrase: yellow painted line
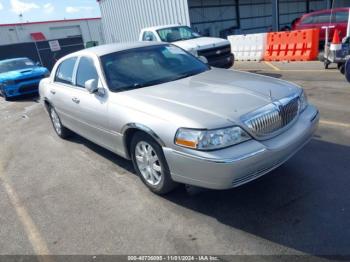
(332,123)
(286,70)
(272,66)
(309,70)
(33,234)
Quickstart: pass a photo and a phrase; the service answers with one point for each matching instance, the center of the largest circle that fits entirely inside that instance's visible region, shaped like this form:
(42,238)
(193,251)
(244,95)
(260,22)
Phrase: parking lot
(73,197)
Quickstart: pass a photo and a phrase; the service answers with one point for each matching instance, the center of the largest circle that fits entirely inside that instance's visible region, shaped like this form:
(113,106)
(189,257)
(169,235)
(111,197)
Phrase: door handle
(53,92)
(75,100)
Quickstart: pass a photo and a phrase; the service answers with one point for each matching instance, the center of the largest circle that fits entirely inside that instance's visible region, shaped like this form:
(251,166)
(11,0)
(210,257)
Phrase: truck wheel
(150,164)
(347,70)
(326,64)
(320,56)
(341,67)
(60,130)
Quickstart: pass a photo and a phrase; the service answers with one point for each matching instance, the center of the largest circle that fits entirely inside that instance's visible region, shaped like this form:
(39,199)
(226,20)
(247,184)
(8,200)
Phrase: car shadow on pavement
(117,160)
(303,205)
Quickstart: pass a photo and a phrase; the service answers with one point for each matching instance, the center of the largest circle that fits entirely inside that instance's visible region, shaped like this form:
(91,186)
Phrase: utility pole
(275,15)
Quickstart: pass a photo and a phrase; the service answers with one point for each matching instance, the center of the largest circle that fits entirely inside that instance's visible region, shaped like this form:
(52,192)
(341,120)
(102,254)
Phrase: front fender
(142,128)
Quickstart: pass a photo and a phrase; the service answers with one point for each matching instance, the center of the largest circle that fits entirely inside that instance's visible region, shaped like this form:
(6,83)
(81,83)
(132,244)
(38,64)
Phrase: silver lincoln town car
(177,119)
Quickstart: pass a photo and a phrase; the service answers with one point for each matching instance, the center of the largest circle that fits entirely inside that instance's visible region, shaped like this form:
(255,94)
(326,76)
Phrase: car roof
(112,48)
(13,59)
(334,10)
(155,28)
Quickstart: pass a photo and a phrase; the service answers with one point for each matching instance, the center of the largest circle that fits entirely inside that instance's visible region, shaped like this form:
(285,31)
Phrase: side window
(185,33)
(86,71)
(65,70)
(342,16)
(149,36)
(322,18)
(308,20)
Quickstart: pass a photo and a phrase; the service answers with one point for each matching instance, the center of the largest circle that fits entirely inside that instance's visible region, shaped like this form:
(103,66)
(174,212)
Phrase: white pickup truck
(217,51)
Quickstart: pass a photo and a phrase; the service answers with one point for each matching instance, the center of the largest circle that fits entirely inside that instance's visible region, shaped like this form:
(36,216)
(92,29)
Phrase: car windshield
(146,66)
(16,64)
(173,34)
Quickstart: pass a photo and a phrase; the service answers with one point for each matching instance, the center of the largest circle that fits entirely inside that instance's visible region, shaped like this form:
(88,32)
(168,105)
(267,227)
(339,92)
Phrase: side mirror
(148,38)
(37,64)
(91,86)
(203,59)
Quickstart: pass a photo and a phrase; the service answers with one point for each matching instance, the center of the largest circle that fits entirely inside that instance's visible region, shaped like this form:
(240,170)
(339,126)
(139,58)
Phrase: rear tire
(150,164)
(60,130)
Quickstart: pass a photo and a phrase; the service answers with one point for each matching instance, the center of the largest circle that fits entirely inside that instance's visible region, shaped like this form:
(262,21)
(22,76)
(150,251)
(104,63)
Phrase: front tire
(60,130)
(150,164)
(3,93)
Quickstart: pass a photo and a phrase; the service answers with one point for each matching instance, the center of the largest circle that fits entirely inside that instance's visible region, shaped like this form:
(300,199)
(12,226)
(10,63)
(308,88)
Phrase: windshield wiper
(133,86)
(184,76)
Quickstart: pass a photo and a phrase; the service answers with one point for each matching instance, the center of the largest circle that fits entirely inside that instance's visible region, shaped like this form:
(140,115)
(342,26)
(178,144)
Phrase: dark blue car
(20,76)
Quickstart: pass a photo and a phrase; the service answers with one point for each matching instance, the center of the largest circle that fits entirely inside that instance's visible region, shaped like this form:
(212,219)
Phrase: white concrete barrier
(248,47)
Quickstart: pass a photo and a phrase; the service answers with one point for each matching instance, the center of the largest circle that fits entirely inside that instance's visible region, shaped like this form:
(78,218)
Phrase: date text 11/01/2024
(173,258)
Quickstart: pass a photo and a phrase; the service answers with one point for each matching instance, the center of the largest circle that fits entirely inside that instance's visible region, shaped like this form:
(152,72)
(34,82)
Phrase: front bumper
(237,165)
(22,88)
(222,61)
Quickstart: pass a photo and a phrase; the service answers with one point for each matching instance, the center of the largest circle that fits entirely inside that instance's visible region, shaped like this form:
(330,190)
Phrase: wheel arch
(130,129)
(47,104)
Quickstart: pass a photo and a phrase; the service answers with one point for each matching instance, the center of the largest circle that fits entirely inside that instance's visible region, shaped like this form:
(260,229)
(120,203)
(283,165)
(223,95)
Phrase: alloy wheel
(148,163)
(56,121)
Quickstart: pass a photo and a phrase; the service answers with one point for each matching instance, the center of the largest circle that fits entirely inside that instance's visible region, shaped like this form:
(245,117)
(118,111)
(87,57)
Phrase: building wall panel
(90,30)
(123,20)
(213,17)
(255,16)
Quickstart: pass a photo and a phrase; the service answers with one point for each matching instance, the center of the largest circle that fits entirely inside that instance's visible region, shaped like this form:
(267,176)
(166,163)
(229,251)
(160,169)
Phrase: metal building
(88,28)
(122,20)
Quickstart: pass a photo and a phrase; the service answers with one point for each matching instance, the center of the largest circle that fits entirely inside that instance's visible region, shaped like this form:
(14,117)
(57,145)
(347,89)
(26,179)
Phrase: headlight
(303,101)
(210,139)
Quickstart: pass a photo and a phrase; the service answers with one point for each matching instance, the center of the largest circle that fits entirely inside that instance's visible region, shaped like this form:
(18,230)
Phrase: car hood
(201,43)
(23,73)
(209,100)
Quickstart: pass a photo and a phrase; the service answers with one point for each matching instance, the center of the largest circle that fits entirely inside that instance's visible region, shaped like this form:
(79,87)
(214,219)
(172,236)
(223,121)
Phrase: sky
(43,10)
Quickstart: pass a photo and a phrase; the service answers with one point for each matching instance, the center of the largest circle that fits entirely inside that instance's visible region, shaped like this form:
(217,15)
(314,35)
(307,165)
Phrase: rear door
(61,91)
(317,20)
(91,110)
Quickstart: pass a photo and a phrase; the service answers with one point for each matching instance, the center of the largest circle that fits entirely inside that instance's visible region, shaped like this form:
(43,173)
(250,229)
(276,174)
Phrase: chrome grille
(268,120)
